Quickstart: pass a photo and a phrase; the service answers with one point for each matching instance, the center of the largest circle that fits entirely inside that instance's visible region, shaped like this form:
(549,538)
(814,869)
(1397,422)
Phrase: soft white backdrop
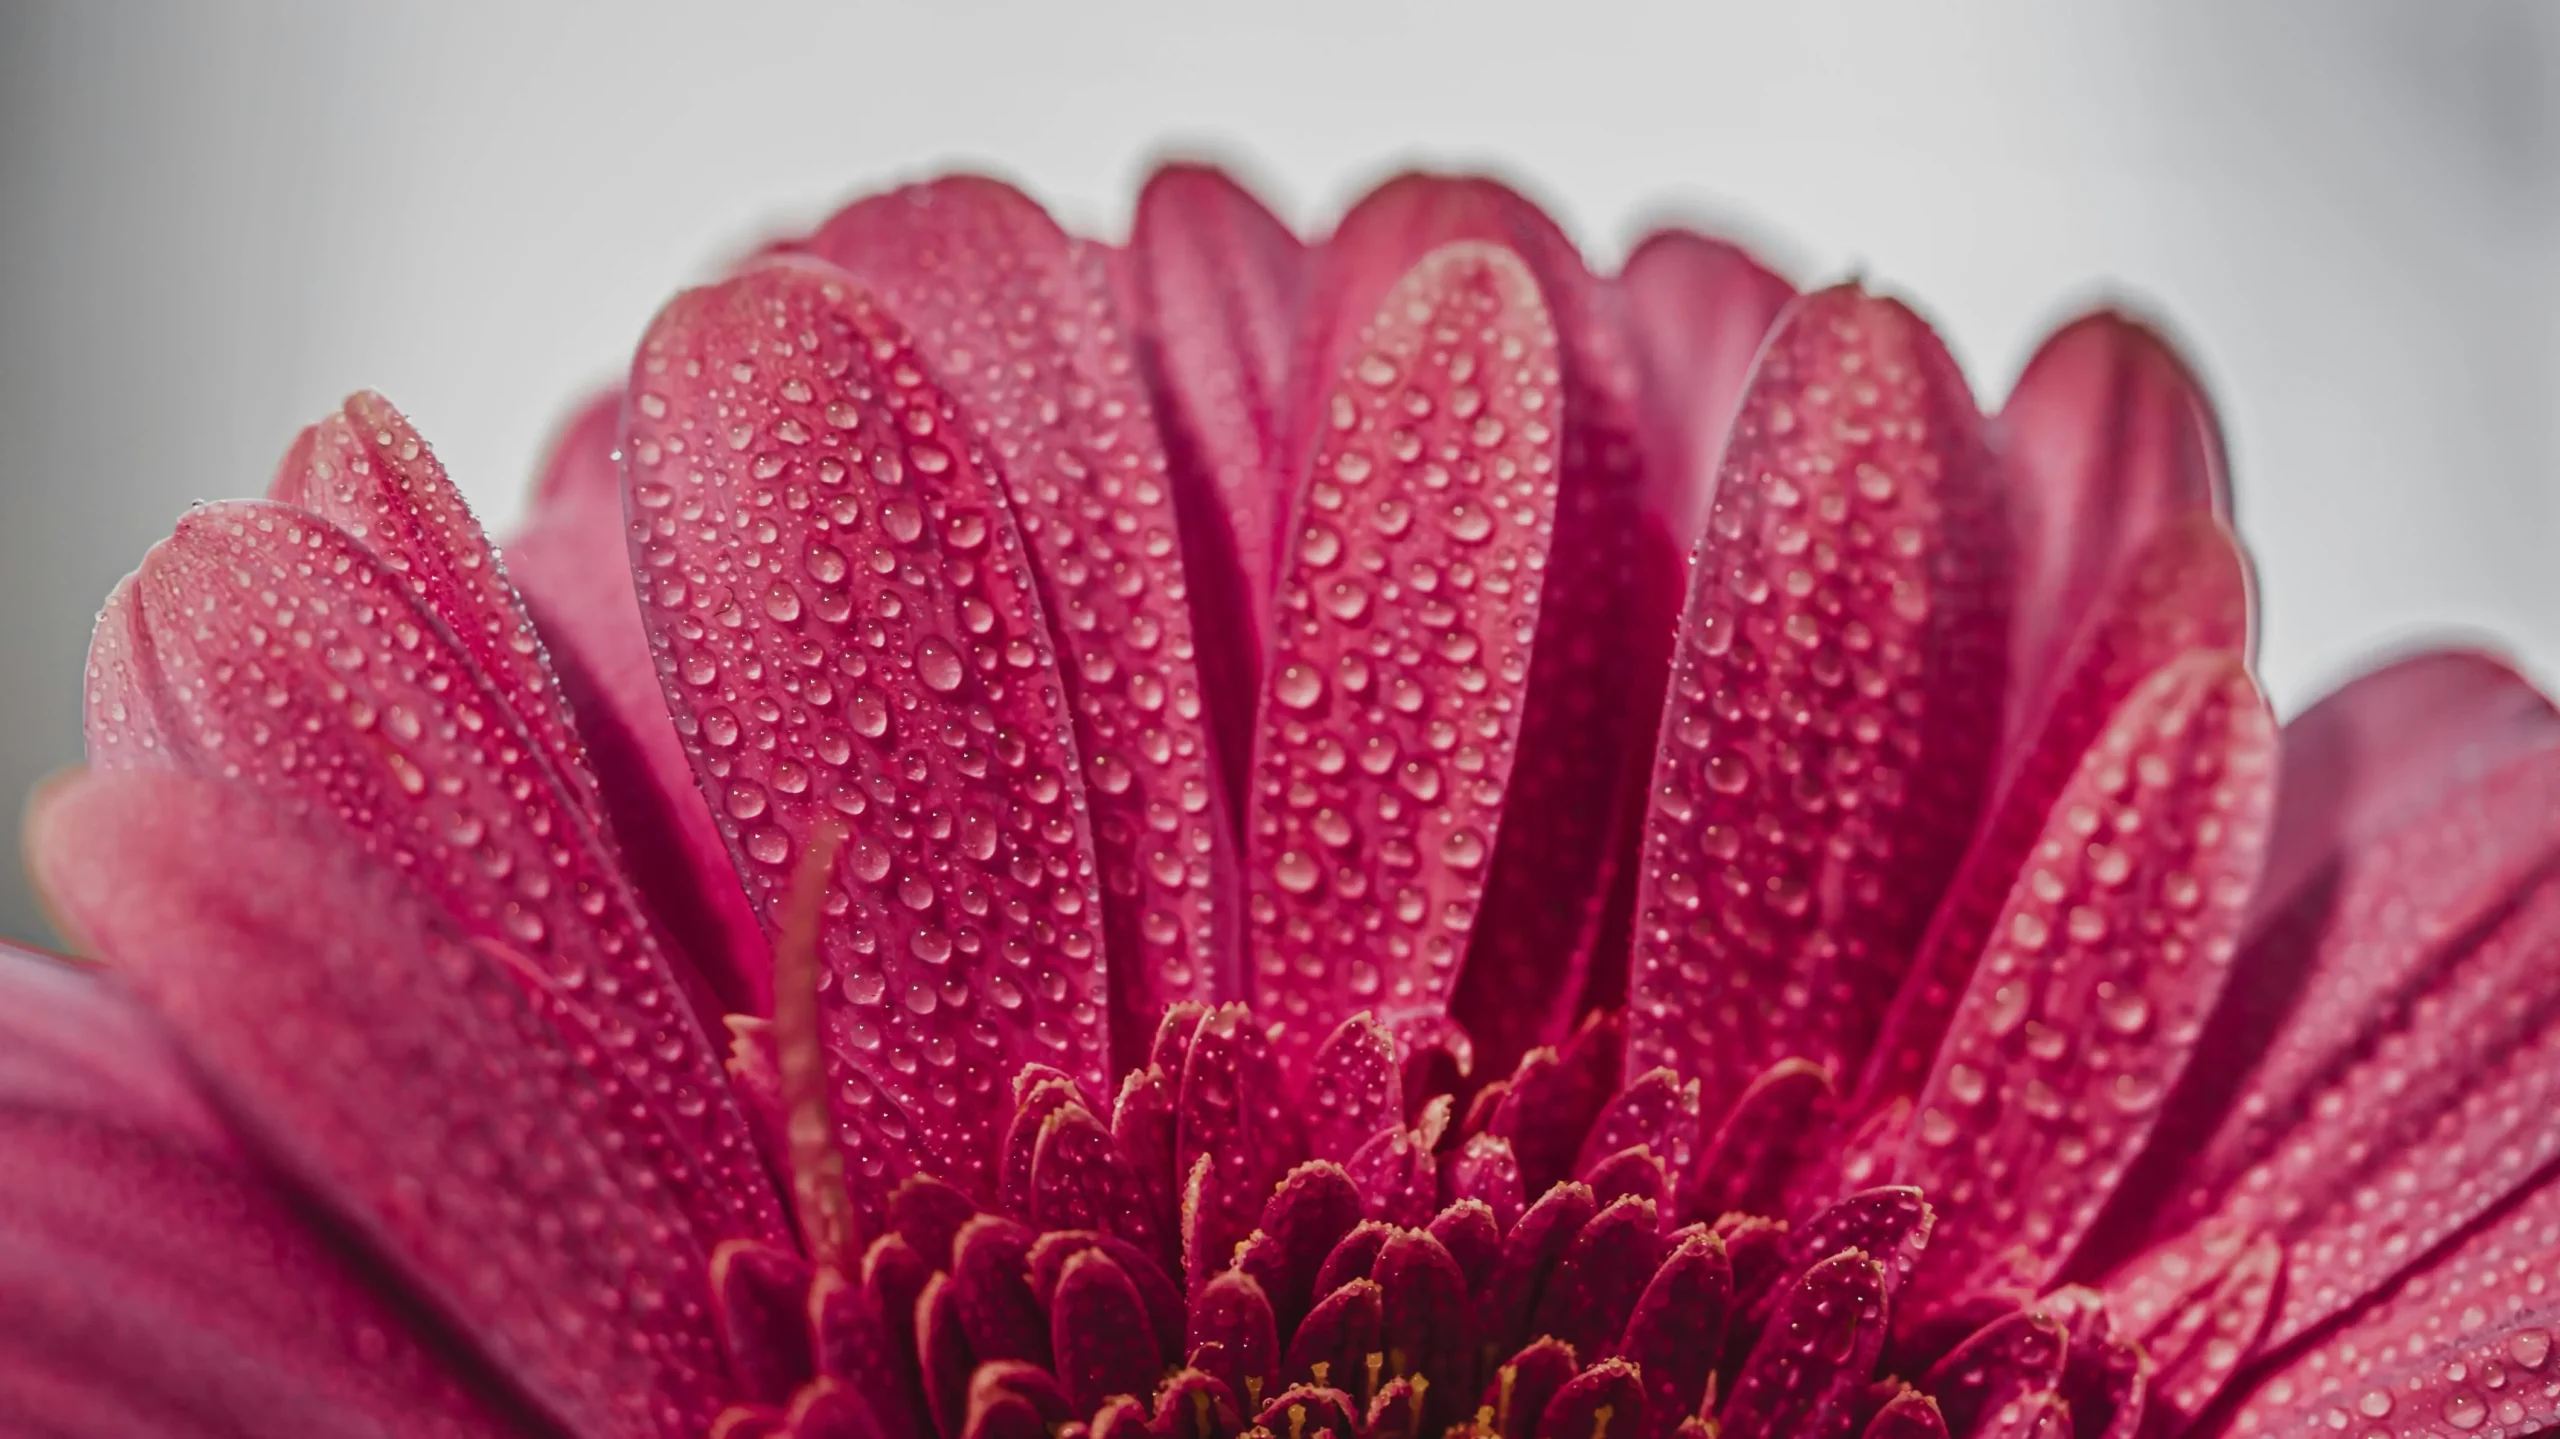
(215,220)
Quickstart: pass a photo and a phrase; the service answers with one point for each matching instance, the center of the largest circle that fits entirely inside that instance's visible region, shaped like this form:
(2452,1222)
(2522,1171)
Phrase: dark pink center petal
(419,1079)
(1014,319)
(1827,743)
(2109,440)
(295,664)
(1217,281)
(848,635)
(573,565)
(2112,948)
(153,1279)
(1803,1378)
(1392,710)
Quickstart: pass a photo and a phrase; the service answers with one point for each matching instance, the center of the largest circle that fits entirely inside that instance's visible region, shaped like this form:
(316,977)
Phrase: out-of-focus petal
(1216,281)
(572,560)
(2107,439)
(1400,660)
(421,1079)
(2462,1345)
(293,663)
(1835,700)
(1015,319)
(2116,939)
(845,616)
(153,1279)
(1697,309)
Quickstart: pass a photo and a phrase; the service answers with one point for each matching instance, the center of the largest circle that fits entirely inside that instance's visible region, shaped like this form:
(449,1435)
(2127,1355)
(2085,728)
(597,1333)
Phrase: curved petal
(2108,440)
(1408,608)
(2116,939)
(1590,695)
(366,470)
(1015,319)
(844,616)
(1217,280)
(1697,309)
(153,1279)
(415,1076)
(294,663)
(2462,1345)
(573,564)
(1834,705)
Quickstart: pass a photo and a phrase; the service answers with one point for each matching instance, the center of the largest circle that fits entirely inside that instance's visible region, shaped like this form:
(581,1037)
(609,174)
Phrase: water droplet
(1295,871)
(2463,1409)
(1298,686)
(938,664)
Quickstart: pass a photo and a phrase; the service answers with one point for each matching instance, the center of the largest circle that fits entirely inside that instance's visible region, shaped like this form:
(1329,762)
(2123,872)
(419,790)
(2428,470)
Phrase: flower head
(1040,839)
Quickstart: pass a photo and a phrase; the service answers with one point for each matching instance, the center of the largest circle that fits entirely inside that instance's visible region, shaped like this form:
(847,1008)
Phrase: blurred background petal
(217,221)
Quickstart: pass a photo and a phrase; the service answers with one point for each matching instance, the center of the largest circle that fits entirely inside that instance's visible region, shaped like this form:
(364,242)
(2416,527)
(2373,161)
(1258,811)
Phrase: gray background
(216,219)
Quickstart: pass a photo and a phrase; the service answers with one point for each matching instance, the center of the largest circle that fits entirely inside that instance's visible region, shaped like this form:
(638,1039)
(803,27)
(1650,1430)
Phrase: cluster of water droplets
(786,442)
(1403,638)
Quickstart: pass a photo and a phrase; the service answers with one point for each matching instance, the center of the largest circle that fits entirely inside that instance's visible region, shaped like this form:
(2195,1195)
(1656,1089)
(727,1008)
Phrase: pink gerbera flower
(1042,841)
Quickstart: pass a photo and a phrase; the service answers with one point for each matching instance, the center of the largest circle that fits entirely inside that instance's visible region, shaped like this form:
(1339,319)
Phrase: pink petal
(1531,1250)
(1466,1228)
(572,563)
(2464,1344)
(991,1284)
(1609,1394)
(1697,310)
(153,1279)
(1424,1315)
(1485,1169)
(818,693)
(1234,1315)
(1217,280)
(296,665)
(1554,1099)
(1307,1215)
(2416,804)
(2439,1115)
(1341,1331)
(1909,1414)
(1354,1089)
(1678,1329)
(2188,591)
(1526,1382)
(1593,1291)
(1392,712)
(419,1079)
(2111,951)
(1231,1140)
(1587,699)
(1656,1111)
(1100,1333)
(2004,1362)
(2109,441)
(977,272)
(1804,1376)
(1773,1131)
(1827,745)
(367,470)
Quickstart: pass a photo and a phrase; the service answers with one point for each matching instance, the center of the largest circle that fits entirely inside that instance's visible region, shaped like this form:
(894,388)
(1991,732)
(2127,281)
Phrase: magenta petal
(1656,1111)
(1834,703)
(1392,709)
(1466,1228)
(1423,1311)
(1803,1378)
(1484,1169)
(456,1120)
(1555,1097)
(1306,1216)
(1591,1295)
(1217,281)
(1100,1334)
(298,666)
(1233,1314)
(1697,310)
(1677,1331)
(2109,441)
(2010,1359)
(1355,1091)
(2188,591)
(1773,1131)
(1531,1250)
(991,1282)
(573,566)
(977,272)
(153,1279)
(1337,1336)
(1233,1138)
(819,693)
(1607,1397)
(1891,1224)
(2109,955)
(1520,1390)
(1909,1414)
(367,470)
